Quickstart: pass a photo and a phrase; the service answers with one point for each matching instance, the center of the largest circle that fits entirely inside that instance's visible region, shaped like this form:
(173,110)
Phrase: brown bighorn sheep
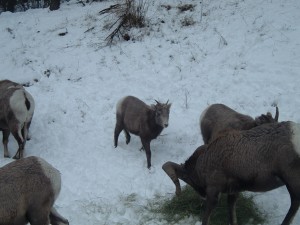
(16,111)
(28,190)
(258,160)
(147,122)
(218,118)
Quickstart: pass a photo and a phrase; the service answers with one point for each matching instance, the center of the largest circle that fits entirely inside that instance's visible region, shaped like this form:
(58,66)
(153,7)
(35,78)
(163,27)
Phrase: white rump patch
(53,174)
(119,104)
(296,137)
(17,104)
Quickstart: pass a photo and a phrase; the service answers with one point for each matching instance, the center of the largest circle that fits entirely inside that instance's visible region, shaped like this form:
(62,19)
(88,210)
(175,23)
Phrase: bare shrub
(187,21)
(186,7)
(128,15)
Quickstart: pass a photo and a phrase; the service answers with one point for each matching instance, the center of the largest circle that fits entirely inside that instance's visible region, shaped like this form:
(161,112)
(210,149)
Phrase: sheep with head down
(260,159)
(218,118)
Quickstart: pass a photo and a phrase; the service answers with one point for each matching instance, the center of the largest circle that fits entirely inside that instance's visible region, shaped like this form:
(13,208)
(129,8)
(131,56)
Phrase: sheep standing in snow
(16,111)
(218,118)
(147,122)
(260,159)
(28,190)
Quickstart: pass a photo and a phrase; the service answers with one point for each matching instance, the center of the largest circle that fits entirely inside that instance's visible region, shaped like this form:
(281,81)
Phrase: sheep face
(186,172)
(162,112)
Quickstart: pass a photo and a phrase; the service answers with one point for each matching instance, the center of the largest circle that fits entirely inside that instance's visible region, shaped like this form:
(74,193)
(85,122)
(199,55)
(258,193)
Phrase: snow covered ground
(245,54)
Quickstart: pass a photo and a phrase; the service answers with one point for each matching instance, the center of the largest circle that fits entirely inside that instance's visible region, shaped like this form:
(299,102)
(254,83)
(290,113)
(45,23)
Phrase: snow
(244,54)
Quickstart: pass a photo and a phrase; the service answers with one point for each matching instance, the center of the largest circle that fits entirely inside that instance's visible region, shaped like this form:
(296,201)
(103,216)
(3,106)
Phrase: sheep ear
(167,104)
(262,119)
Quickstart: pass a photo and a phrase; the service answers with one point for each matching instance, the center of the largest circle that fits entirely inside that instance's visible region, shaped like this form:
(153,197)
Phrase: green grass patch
(190,204)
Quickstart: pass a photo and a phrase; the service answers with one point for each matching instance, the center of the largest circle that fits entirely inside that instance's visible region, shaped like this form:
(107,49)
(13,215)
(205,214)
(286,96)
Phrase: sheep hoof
(6,156)
(151,169)
(16,157)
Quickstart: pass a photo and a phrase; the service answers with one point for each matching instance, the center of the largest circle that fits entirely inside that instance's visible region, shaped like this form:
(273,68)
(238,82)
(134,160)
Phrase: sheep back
(259,155)
(134,114)
(217,118)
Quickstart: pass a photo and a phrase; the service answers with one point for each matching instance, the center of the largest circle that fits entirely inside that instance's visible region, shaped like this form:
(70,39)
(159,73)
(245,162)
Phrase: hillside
(244,54)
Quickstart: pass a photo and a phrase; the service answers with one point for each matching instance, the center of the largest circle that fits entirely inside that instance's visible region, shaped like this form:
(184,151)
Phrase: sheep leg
(28,133)
(19,154)
(292,211)
(38,217)
(146,145)
(212,199)
(25,131)
(21,143)
(118,130)
(127,135)
(5,142)
(231,200)
(56,218)
(292,183)
(44,221)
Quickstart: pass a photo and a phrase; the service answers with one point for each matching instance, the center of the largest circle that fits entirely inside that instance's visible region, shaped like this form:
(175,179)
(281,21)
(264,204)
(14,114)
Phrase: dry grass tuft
(129,14)
(190,204)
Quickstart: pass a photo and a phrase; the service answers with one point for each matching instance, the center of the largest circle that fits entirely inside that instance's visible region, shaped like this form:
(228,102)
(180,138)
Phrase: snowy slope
(244,54)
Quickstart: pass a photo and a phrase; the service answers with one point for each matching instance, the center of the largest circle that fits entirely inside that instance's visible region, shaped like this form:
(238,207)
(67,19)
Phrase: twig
(90,29)
(201,11)
(222,39)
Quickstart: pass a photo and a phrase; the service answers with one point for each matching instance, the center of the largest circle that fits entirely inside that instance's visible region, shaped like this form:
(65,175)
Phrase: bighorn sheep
(218,118)
(145,121)
(258,160)
(16,111)
(28,190)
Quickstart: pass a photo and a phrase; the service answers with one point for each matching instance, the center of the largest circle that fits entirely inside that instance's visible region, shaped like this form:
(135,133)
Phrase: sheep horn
(170,169)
